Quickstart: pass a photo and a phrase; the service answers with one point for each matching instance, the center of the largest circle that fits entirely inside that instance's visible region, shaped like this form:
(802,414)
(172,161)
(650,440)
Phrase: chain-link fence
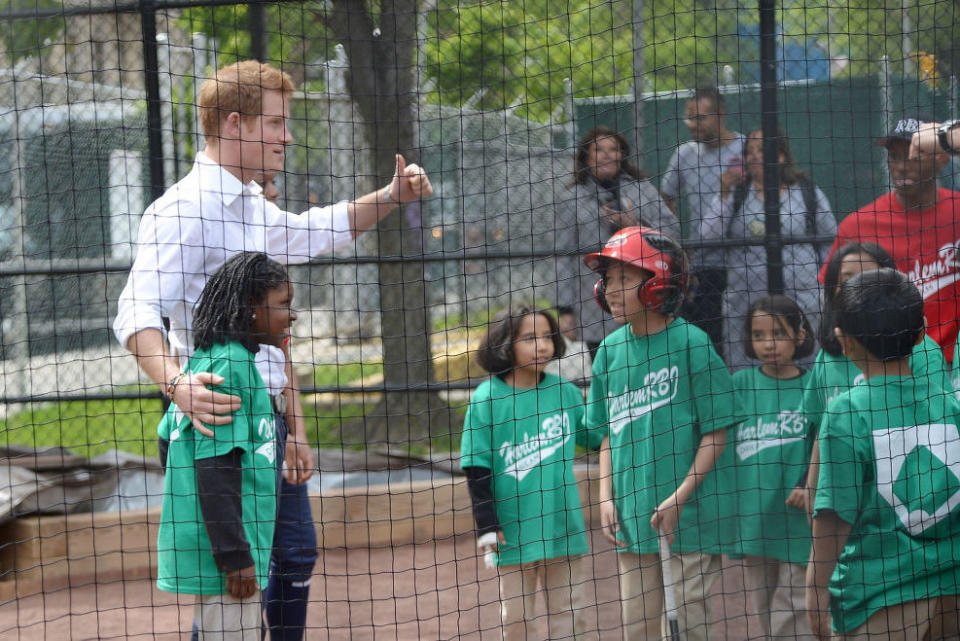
(748,133)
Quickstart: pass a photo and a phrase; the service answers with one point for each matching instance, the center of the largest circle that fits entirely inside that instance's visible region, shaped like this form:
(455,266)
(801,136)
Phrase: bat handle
(669,598)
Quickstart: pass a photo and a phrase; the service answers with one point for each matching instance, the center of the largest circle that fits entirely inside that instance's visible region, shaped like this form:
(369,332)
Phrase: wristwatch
(942,134)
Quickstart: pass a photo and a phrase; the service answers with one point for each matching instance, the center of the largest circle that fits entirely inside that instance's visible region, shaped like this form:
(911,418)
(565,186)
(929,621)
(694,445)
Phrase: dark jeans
(704,304)
(294,539)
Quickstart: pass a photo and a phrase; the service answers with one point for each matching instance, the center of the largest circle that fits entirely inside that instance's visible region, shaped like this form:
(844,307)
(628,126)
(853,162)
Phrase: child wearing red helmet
(662,400)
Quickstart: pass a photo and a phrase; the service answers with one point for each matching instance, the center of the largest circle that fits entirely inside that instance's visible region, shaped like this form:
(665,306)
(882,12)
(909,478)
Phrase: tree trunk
(380,80)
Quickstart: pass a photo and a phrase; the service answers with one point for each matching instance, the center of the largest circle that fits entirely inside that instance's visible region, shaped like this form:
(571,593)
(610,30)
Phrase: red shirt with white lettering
(924,246)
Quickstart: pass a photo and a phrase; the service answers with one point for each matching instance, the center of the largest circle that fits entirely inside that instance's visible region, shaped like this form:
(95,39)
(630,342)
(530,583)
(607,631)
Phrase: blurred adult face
(753,157)
(911,178)
(604,157)
(704,120)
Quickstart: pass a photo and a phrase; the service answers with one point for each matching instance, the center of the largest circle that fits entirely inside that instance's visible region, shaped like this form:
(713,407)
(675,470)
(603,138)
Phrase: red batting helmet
(652,251)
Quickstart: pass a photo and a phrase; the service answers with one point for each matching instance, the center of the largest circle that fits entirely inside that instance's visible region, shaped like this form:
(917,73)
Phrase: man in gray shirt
(696,170)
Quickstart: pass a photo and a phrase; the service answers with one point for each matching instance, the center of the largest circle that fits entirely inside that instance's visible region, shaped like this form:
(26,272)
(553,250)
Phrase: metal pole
(258,32)
(148,27)
(200,56)
(637,29)
(165,83)
(771,164)
(16,350)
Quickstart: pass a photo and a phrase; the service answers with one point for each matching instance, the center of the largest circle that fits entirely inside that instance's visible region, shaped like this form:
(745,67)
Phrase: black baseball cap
(905,127)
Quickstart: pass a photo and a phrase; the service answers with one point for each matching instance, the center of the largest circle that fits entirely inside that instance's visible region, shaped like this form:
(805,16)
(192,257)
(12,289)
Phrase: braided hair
(224,312)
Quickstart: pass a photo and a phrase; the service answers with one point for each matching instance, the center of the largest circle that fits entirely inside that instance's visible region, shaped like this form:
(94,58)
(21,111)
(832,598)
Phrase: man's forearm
(149,347)
(366,211)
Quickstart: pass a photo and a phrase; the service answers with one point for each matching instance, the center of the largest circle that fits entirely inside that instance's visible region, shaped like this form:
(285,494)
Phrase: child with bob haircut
(886,528)
(517,451)
(662,400)
(220,493)
(770,453)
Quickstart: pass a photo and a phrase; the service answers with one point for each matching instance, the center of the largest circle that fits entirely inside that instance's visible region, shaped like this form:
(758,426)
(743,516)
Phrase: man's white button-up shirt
(191,231)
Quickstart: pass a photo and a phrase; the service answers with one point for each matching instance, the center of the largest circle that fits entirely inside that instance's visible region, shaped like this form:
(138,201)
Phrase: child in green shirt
(517,451)
(662,401)
(886,531)
(770,455)
(220,493)
(833,372)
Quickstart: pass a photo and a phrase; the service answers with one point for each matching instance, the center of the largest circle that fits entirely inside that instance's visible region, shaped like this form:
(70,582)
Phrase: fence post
(258,33)
(771,165)
(167,130)
(200,56)
(151,80)
(637,32)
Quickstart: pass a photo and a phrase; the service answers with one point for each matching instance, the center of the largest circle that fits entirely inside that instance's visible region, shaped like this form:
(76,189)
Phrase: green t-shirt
(890,467)
(834,374)
(526,438)
(184,557)
(770,458)
(655,396)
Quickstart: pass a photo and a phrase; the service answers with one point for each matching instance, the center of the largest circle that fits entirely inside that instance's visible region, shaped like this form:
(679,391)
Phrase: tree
(27,37)
(380,39)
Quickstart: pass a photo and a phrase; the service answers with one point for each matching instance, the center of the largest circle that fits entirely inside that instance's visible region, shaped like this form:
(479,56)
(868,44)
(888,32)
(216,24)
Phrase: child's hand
(817,614)
(610,523)
(667,516)
(488,544)
(242,584)
(798,498)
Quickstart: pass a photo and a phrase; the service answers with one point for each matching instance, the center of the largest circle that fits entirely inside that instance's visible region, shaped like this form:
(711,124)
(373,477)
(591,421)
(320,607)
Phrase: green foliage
(27,37)
(294,34)
(88,428)
(522,52)
(324,423)
(503,54)
(344,374)
(93,427)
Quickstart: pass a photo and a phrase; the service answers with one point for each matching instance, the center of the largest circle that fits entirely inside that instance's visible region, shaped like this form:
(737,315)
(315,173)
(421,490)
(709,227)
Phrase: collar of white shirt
(213,178)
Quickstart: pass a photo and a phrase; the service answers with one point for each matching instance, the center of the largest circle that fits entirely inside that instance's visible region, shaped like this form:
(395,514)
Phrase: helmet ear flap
(600,294)
(651,293)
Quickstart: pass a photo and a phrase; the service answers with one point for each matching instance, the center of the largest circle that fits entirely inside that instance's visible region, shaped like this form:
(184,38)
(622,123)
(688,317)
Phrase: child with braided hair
(220,494)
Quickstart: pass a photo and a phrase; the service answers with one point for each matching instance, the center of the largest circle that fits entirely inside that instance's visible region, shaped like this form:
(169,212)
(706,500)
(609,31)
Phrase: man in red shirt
(918,223)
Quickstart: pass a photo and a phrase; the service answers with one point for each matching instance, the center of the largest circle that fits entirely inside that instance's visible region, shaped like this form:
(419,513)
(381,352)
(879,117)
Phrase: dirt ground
(430,591)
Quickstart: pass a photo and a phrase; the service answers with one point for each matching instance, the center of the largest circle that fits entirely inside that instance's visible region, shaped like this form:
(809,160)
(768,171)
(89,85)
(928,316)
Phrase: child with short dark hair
(886,531)
(832,372)
(769,455)
(220,493)
(662,400)
(517,451)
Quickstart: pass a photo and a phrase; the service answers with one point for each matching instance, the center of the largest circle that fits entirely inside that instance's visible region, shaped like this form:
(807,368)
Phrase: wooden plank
(41,552)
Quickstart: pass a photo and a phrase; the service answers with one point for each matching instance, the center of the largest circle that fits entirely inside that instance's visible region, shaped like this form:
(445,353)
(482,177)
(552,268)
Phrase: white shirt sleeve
(170,254)
(296,238)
